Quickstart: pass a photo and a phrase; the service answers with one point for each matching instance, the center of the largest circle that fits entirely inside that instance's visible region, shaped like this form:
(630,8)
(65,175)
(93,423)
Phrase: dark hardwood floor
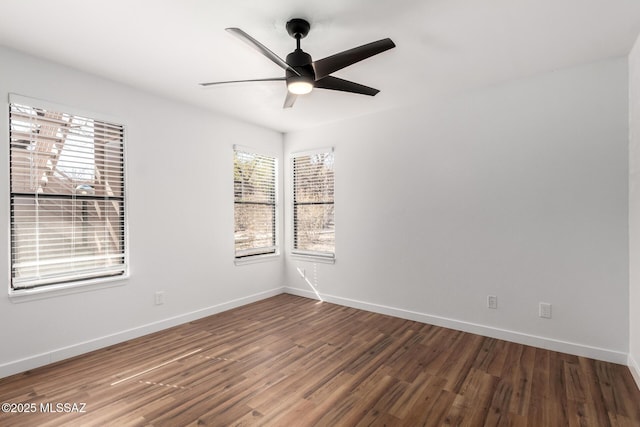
(291,361)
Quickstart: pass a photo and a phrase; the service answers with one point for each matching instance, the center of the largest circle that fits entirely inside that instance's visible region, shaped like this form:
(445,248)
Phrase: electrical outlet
(545,310)
(159,297)
(492,301)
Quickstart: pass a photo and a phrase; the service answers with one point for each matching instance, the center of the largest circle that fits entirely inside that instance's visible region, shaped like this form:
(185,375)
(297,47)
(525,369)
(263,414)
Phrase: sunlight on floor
(306,279)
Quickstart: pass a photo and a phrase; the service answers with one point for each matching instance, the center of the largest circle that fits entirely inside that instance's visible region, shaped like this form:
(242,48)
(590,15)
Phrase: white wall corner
(634,209)
(634,367)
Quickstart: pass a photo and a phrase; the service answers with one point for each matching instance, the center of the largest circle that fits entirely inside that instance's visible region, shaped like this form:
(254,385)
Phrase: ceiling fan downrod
(300,81)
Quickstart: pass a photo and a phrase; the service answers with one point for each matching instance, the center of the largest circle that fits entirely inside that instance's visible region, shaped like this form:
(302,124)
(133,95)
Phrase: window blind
(66,197)
(254,182)
(313,204)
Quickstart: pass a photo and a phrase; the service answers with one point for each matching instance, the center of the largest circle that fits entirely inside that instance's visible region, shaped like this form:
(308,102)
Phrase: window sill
(51,291)
(256,259)
(314,258)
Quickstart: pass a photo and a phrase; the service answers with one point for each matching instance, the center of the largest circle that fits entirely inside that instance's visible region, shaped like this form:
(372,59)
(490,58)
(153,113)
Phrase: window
(254,187)
(66,196)
(313,205)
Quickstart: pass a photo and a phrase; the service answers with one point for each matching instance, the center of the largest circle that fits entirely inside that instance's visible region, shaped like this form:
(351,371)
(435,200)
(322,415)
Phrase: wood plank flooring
(291,361)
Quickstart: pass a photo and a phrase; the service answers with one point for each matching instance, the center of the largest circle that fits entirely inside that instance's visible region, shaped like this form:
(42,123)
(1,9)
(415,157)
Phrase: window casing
(313,204)
(67,196)
(255,203)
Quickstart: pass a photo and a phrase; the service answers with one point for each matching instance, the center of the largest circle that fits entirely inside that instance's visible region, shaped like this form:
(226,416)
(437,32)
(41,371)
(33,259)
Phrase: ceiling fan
(302,74)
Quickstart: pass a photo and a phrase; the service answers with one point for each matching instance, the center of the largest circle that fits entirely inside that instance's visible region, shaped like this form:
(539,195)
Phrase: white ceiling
(443,46)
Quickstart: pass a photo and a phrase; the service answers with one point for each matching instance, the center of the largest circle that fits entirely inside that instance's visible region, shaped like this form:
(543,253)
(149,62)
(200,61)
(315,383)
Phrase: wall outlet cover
(545,310)
(492,301)
(159,297)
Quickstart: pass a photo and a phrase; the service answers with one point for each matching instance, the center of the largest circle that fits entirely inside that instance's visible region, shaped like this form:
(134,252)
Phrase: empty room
(320,213)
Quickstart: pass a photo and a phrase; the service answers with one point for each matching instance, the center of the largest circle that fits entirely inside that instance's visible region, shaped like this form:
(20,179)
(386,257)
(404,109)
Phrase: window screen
(313,204)
(254,184)
(67,196)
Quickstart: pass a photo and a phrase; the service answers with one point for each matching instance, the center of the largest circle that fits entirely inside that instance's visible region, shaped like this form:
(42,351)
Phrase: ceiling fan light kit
(299,85)
(302,74)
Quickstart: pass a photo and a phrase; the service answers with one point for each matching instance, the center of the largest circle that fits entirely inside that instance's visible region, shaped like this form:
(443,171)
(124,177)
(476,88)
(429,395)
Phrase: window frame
(66,285)
(262,253)
(302,254)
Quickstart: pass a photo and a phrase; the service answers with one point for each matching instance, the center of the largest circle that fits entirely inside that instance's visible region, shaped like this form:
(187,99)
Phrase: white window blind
(254,183)
(313,204)
(67,197)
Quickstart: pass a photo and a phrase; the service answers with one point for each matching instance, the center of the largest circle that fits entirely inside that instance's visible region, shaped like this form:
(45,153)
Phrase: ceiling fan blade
(334,83)
(273,79)
(290,100)
(260,48)
(328,65)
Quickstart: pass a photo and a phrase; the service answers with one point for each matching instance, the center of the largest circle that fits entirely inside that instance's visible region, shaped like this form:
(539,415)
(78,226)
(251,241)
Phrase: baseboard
(634,367)
(56,355)
(488,331)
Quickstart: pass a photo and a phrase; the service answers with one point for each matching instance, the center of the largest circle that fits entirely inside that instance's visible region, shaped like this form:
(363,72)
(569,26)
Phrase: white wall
(634,211)
(180,211)
(518,190)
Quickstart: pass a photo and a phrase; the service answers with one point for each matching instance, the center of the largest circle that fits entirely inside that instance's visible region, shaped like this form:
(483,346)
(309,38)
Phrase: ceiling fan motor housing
(301,62)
